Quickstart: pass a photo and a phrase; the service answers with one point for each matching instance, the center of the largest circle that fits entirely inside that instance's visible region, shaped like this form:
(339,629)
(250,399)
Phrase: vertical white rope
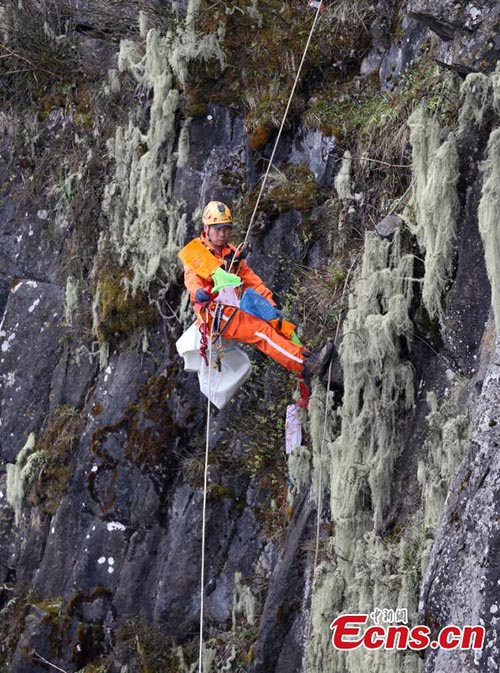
(205,485)
(242,245)
(316,16)
(319,501)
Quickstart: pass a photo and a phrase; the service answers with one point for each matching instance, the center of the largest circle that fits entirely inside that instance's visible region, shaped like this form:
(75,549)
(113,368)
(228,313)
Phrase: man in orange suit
(232,322)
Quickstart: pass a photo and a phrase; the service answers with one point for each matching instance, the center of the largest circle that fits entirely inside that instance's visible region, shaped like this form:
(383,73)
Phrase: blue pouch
(254,303)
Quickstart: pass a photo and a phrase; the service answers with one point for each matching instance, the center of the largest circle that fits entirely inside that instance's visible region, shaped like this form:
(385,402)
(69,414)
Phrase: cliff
(377,228)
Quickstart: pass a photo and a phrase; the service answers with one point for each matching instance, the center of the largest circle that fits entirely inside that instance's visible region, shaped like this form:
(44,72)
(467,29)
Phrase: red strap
(305,394)
(204,341)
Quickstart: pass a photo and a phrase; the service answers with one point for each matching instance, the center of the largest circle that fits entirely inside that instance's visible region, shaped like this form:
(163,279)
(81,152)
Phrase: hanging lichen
(20,473)
(379,389)
(183,145)
(436,204)
(477,93)
(378,381)
(244,602)
(488,210)
(447,438)
(299,469)
(71,301)
(146,226)
(343,178)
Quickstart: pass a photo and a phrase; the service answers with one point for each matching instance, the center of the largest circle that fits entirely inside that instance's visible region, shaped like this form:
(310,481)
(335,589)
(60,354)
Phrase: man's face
(217,235)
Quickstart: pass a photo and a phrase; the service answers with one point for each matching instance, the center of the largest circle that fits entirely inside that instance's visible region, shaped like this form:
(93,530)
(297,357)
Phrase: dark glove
(201,296)
(279,314)
(235,256)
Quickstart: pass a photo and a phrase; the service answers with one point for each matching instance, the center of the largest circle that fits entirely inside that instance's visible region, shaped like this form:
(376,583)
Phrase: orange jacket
(250,279)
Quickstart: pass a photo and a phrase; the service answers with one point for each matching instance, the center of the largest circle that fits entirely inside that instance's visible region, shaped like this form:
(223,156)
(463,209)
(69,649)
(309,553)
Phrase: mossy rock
(292,187)
(57,444)
(121,312)
(263,46)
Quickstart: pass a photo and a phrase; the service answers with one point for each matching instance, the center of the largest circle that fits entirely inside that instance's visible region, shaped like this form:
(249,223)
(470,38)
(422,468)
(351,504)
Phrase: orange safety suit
(241,326)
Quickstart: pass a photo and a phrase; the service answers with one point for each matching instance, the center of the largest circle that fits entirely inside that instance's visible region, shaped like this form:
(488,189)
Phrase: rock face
(32,343)
(101,519)
(468,30)
(462,581)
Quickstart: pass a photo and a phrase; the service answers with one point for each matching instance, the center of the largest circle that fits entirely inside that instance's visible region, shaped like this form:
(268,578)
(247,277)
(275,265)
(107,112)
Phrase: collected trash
(293,428)
(229,369)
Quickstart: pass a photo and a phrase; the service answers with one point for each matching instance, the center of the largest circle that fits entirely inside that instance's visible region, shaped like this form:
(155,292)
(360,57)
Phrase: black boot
(316,362)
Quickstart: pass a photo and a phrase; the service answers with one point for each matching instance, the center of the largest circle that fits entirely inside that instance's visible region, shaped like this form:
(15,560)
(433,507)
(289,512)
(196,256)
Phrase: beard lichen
(488,210)
(20,473)
(436,204)
(343,179)
(146,224)
(446,440)
(477,93)
(365,570)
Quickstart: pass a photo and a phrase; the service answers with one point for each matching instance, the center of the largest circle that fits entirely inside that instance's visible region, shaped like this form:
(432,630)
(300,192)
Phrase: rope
(261,191)
(205,483)
(319,503)
(242,245)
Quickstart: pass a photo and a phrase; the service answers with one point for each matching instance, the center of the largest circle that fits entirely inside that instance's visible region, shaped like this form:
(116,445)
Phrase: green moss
(58,442)
(263,45)
(65,628)
(118,311)
(290,186)
(346,108)
(12,621)
(217,491)
(147,649)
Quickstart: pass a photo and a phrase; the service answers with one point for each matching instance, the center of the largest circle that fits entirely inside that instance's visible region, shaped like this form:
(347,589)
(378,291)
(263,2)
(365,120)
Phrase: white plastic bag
(293,428)
(220,386)
(188,346)
(228,297)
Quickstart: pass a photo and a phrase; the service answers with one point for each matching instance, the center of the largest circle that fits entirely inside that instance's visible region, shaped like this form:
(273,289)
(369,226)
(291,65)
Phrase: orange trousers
(251,330)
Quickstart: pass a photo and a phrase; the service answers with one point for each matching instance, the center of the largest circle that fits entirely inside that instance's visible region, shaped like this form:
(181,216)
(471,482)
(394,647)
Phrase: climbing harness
(242,247)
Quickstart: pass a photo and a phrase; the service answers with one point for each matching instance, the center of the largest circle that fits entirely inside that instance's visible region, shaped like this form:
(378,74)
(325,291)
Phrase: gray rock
(316,150)
(379,33)
(72,375)
(466,29)
(219,165)
(29,350)
(97,54)
(461,583)
(279,647)
(402,52)
(388,225)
